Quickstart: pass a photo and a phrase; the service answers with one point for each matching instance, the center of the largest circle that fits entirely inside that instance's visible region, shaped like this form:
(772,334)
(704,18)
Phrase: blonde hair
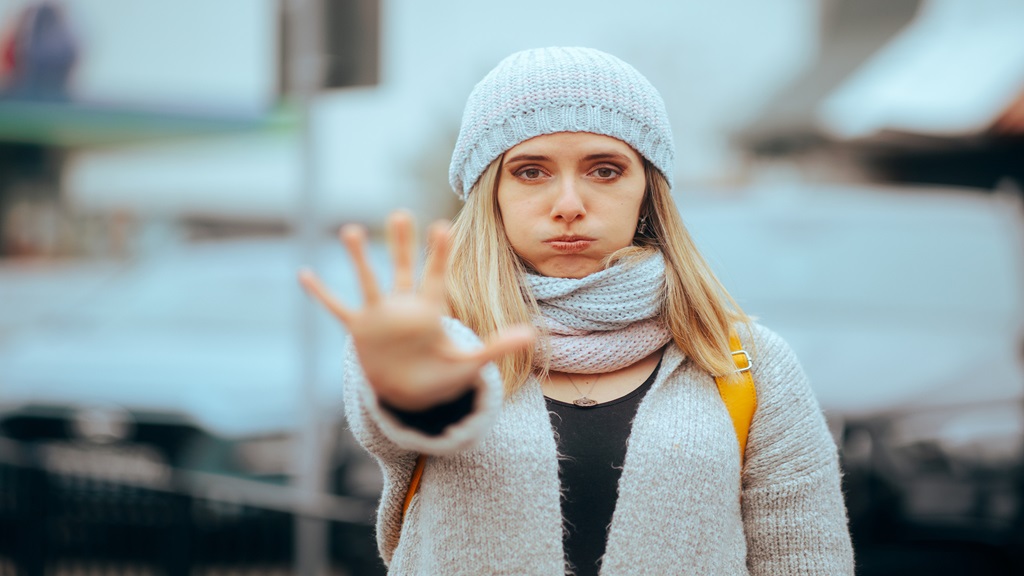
(698,311)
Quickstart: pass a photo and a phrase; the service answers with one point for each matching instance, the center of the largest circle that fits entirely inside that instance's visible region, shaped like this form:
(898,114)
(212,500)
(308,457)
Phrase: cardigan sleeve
(793,512)
(396,445)
(385,435)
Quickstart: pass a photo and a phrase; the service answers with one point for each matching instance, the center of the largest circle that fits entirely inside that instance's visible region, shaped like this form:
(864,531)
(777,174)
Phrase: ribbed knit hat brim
(550,90)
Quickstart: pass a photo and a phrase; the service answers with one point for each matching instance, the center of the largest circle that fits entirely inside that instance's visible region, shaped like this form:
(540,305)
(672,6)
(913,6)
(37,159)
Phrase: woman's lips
(570,244)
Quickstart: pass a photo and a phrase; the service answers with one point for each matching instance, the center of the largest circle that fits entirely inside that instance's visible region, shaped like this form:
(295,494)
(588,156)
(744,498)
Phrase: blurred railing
(57,522)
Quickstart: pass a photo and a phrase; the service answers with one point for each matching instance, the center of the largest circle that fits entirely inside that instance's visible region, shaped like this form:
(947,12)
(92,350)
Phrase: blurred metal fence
(59,522)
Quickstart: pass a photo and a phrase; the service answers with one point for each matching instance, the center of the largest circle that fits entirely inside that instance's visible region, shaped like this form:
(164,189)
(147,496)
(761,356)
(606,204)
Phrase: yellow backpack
(739,395)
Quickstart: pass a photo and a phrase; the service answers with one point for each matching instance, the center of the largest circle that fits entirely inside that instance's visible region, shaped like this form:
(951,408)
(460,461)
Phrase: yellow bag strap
(738,393)
(414,483)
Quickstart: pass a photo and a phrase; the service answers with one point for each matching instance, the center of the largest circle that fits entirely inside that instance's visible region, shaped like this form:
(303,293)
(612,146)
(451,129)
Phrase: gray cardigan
(489,498)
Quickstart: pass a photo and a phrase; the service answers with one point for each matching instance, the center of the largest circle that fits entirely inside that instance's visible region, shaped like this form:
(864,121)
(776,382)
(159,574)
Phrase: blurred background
(170,401)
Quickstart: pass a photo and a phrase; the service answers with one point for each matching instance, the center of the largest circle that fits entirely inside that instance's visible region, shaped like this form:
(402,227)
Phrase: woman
(587,434)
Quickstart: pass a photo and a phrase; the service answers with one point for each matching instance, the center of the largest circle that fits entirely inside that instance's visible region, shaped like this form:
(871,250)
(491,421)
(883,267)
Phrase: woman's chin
(568,267)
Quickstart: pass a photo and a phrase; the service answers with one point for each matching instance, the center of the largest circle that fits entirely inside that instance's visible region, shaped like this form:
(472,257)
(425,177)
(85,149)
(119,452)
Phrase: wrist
(435,419)
(411,399)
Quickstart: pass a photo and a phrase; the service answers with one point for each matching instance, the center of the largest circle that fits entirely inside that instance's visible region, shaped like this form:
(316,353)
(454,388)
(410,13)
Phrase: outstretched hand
(405,353)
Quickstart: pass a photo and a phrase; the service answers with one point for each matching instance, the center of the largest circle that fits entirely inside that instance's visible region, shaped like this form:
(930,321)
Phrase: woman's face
(570,199)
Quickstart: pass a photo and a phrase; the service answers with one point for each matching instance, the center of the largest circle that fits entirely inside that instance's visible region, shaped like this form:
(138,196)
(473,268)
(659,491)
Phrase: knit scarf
(605,321)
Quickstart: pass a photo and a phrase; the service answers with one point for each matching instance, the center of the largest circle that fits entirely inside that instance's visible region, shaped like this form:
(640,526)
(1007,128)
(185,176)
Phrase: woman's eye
(606,173)
(529,173)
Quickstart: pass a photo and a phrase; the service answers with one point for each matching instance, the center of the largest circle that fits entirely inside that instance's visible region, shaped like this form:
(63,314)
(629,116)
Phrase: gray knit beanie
(549,90)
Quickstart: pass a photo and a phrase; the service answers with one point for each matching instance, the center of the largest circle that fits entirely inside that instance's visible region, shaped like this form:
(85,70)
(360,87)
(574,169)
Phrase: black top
(592,448)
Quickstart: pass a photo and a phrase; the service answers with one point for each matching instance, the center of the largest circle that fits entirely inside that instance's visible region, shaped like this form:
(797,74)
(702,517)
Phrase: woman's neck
(567,387)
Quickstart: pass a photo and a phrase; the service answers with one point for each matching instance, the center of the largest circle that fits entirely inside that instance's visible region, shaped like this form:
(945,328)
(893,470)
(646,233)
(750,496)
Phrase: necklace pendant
(584,402)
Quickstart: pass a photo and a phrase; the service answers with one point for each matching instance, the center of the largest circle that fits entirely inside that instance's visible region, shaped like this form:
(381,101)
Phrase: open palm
(404,351)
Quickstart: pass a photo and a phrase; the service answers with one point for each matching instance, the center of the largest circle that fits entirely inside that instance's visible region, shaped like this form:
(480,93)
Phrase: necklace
(583,401)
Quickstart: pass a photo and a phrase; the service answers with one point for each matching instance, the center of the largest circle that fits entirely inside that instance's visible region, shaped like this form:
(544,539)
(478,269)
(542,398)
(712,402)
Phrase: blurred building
(925,92)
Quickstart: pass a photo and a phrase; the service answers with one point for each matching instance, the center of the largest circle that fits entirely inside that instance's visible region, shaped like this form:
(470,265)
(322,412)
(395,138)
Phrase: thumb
(508,341)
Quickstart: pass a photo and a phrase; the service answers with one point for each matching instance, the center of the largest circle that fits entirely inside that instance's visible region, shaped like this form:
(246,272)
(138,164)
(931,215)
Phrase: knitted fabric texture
(604,321)
(549,90)
(490,498)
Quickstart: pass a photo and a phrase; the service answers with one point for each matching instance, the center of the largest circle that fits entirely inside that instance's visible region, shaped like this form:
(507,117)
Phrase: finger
(437,261)
(316,288)
(402,241)
(510,340)
(354,239)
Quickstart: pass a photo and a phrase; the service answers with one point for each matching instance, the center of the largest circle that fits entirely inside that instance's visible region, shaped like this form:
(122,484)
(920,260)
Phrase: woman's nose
(568,204)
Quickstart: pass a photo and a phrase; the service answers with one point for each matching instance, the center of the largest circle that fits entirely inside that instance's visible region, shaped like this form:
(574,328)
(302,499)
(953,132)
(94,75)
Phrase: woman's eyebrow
(607,156)
(527,158)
